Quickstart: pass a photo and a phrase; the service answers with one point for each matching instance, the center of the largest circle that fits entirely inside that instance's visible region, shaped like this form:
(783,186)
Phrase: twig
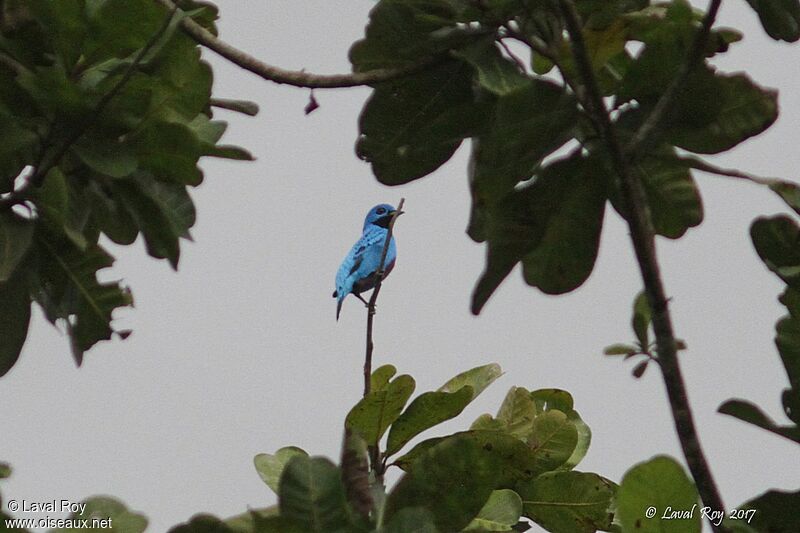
(240,106)
(375,459)
(704,166)
(291,77)
(643,237)
(650,125)
(47,163)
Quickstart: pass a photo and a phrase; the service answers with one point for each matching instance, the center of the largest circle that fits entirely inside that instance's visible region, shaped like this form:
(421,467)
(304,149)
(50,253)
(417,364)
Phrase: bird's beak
(396,212)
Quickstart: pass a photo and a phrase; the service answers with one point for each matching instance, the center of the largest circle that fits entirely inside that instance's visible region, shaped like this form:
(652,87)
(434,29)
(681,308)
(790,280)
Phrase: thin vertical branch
(374,452)
(643,237)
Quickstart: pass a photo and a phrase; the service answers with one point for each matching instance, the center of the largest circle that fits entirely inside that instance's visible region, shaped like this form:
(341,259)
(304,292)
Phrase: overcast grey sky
(239,352)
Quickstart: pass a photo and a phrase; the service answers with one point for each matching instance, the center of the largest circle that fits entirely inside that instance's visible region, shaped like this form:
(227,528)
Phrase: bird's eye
(380,211)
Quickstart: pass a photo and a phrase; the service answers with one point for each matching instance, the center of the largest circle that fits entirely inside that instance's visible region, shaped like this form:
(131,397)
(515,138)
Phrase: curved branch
(292,77)
(643,237)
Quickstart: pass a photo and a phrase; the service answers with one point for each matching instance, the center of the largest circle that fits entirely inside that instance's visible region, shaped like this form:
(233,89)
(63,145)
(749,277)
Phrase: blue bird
(357,272)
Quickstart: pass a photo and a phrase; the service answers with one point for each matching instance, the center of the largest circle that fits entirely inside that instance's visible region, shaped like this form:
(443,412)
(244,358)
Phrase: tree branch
(643,237)
(375,459)
(45,163)
(650,125)
(291,77)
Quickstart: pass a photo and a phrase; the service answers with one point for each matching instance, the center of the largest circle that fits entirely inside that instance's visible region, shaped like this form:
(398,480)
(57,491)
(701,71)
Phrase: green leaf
(16,235)
(169,150)
(311,492)
(640,321)
(553,440)
(109,157)
(271,466)
(549,399)
(15,316)
(487,422)
(584,434)
(118,515)
(662,484)
(381,376)
(453,479)
(206,523)
(789,193)
(163,212)
(71,290)
(501,512)
(744,110)
(787,339)
(16,150)
(411,126)
(402,32)
(568,502)
(496,73)
(780,18)
(427,410)
(776,240)
(376,411)
(517,413)
(620,349)
(527,125)
(411,520)
(478,378)
(775,511)
(517,462)
(564,204)
(752,414)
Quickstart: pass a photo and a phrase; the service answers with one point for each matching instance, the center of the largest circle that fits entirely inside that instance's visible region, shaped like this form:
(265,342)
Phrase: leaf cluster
(104,114)
(505,77)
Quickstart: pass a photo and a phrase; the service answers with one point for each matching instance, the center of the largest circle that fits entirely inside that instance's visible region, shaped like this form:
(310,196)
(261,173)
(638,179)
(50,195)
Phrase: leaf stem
(643,238)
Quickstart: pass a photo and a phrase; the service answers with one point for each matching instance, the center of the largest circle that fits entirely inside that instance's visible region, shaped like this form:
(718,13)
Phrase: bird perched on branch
(357,272)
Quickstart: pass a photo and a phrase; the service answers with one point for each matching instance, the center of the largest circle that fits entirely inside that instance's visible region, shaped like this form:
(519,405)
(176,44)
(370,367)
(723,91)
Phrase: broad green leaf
(548,399)
(169,150)
(641,318)
(5,470)
(584,440)
(402,32)
(376,411)
(110,157)
(311,493)
(527,125)
(252,520)
(427,410)
(776,241)
(270,466)
(487,422)
(16,150)
(411,126)
(15,316)
(16,235)
(453,479)
(747,412)
(568,502)
(662,484)
(117,28)
(354,464)
(672,196)
(553,440)
(780,18)
(565,200)
(163,212)
(501,512)
(517,413)
(478,378)
(745,110)
(517,462)
(381,376)
(206,523)
(70,290)
(411,520)
(119,516)
(775,511)
(496,73)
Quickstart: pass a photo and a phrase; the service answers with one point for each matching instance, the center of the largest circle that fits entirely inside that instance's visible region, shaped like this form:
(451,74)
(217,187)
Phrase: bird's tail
(338,307)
